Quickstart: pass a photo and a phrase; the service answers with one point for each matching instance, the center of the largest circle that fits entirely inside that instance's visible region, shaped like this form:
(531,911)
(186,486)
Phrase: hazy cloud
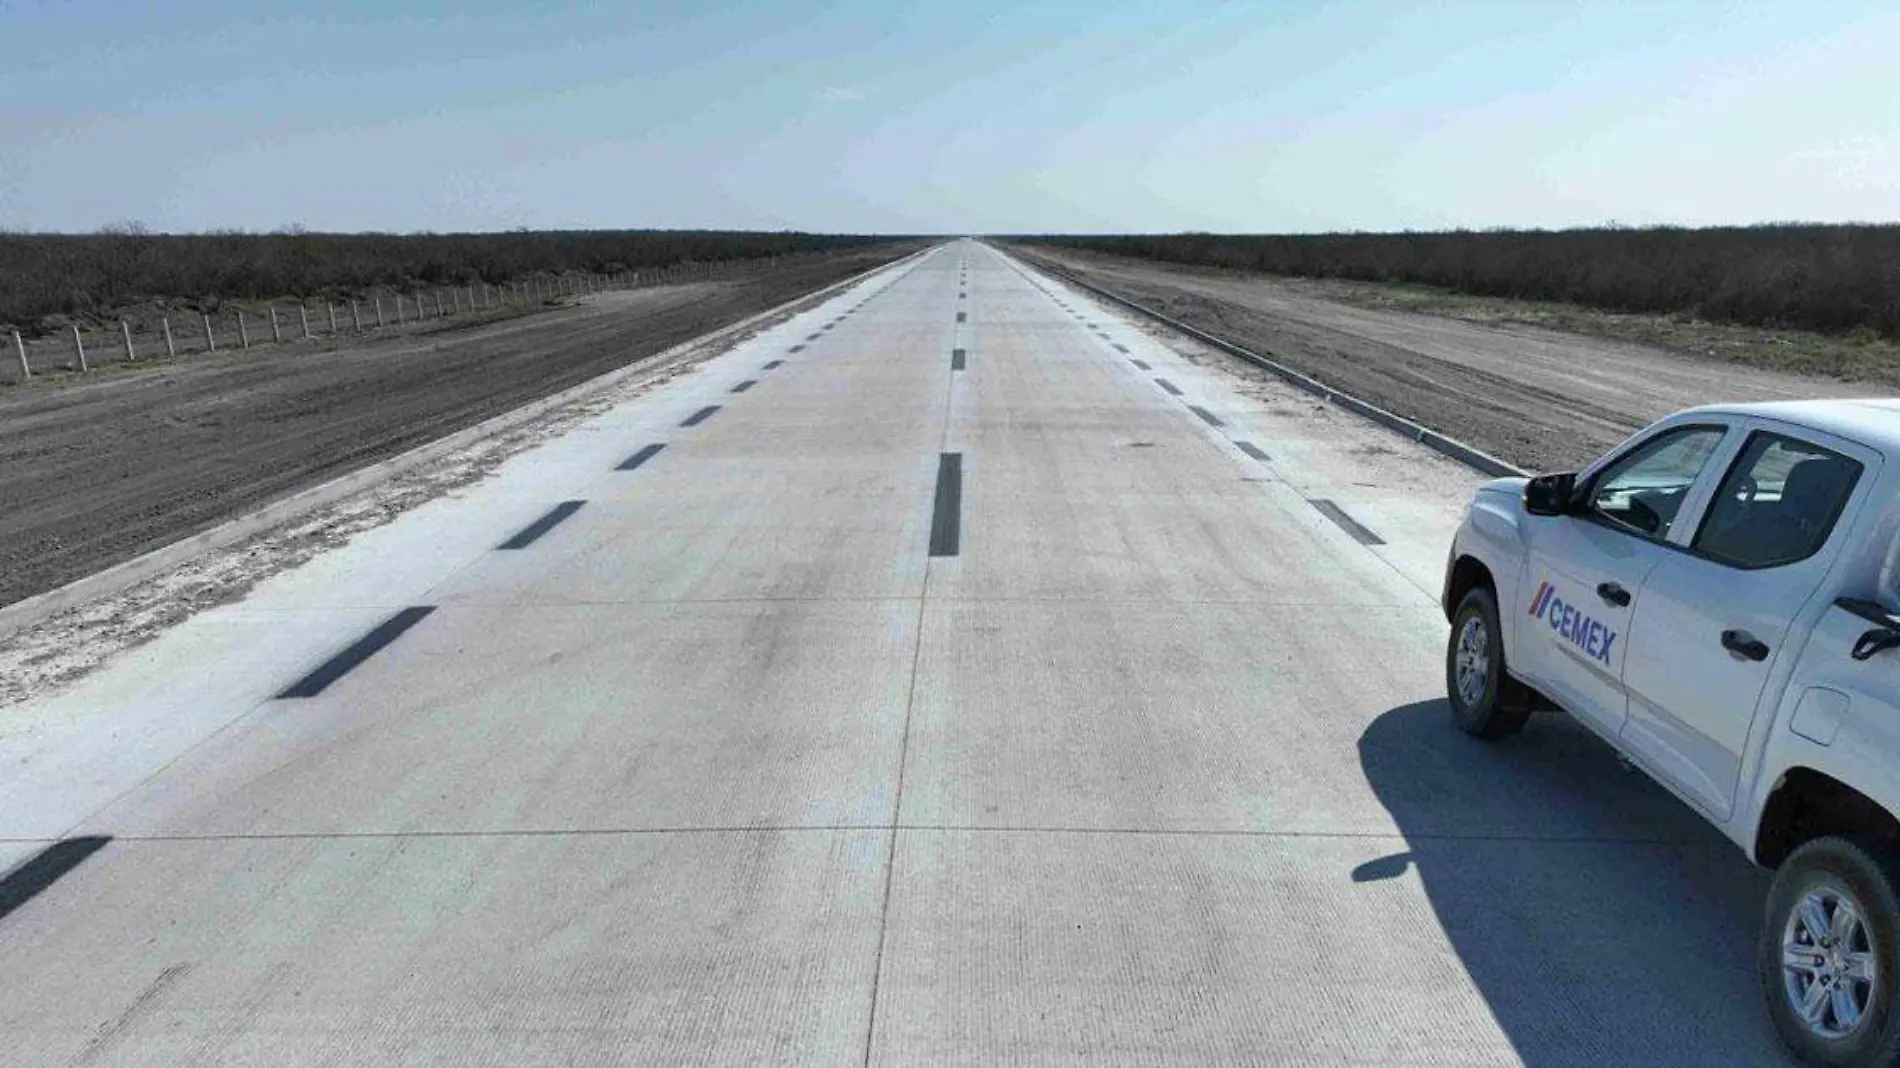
(840,94)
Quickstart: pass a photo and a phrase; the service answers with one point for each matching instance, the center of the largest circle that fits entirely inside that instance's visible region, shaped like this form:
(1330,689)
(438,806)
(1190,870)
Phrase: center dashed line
(1169,386)
(45,868)
(946,517)
(1347,523)
(701,415)
(638,458)
(531,533)
(745,385)
(349,659)
(1206,416)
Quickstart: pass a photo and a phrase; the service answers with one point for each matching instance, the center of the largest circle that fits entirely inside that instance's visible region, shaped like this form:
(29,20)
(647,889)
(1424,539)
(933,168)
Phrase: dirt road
(1539,398)
(96,473)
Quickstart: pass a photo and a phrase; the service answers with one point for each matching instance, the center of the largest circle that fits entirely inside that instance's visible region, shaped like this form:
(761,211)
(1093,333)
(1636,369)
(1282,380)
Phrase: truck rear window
(1777,504)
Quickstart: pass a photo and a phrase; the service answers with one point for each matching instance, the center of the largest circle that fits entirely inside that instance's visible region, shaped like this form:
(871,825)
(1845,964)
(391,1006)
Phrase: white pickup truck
(1719,599)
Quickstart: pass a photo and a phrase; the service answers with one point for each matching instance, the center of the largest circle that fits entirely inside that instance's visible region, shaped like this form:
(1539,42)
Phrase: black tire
(1493,714)
(1868,871)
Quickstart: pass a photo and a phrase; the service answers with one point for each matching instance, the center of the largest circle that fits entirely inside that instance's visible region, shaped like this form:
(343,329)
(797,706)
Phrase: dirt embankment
(96,472)
(1542,399)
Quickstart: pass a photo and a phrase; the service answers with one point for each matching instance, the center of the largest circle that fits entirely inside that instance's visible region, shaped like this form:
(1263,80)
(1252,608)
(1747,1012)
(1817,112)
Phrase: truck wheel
(1474,671)
(1830,953)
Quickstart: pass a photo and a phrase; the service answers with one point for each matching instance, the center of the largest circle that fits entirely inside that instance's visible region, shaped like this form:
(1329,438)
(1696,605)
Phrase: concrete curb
(22,614)
(1469,455)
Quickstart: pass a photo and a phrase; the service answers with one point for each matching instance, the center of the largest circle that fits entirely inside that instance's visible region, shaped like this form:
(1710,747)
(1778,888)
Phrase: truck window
(1642,491)
(1778,503)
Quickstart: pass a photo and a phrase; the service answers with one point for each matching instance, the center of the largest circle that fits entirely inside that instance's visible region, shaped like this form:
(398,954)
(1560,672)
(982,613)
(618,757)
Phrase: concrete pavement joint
(893,827)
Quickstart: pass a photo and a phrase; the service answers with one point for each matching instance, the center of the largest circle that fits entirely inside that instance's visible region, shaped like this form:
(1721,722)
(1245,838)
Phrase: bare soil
(1543,399)
(97,471)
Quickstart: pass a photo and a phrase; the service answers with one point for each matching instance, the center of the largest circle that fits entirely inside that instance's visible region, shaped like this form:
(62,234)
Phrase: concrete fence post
(211,339)
(303,316)
(455,300)
(471,298)
(244,336)
(379,311)
(79,353)
(19,347)
(125,331)
(276,332)
(332,309)
(171,349)
(399,309)
(356,317)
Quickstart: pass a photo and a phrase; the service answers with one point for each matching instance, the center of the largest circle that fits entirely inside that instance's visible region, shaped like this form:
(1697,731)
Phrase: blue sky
(1106,115)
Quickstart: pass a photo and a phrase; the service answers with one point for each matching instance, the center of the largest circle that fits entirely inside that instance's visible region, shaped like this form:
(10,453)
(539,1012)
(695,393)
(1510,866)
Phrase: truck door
(1713,621)
(1586,571)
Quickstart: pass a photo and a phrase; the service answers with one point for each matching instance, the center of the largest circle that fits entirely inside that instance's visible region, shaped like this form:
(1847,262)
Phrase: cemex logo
(1570,624)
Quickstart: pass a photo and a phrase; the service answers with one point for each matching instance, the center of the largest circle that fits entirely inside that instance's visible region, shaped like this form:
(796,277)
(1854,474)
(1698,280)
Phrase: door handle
(1614,594)
(1739,643)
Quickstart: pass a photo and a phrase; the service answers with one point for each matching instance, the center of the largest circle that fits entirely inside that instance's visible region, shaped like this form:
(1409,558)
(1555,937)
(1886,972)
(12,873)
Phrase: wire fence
(139,338)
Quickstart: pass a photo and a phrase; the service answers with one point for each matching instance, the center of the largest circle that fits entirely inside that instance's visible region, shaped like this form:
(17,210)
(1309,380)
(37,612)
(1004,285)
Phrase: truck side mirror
(1550,494)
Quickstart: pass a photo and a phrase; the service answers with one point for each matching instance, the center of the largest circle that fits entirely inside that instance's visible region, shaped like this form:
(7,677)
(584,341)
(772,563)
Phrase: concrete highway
(953,674)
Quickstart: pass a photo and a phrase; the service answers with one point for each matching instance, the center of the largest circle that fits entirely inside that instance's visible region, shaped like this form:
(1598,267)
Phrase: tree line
(1834,279)
(47,275)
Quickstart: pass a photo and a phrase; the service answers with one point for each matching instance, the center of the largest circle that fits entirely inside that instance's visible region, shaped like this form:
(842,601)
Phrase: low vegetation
(63,276)
(1840,280)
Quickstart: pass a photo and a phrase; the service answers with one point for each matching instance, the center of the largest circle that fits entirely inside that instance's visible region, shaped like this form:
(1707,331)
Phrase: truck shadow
(1602,921)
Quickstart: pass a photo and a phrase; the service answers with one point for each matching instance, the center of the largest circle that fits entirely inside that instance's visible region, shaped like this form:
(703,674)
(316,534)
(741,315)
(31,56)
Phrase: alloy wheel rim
(1828,968)
(1472,661)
